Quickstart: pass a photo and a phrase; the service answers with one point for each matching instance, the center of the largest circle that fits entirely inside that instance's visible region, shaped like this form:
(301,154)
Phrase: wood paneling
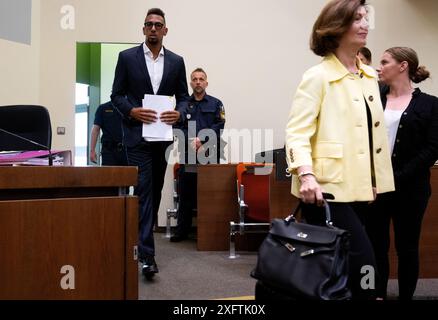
(39,237)
(282,202)
(52,217)
(32,177)
(217,205)
(131,262)
(428,239)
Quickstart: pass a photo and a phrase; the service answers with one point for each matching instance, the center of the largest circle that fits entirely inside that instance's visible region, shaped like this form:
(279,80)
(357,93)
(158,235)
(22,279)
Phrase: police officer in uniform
(203,112)
(109,120)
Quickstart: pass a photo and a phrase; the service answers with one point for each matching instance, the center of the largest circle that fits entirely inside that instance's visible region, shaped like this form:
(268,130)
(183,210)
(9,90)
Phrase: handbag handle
(328,216)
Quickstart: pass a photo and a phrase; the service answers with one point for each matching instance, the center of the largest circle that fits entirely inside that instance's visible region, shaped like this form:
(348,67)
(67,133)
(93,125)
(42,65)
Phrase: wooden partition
(217,206)
(68,233)
(429,236)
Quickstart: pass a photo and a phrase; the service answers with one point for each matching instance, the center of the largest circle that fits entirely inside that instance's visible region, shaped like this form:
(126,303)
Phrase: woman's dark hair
(333,22)
(416,73)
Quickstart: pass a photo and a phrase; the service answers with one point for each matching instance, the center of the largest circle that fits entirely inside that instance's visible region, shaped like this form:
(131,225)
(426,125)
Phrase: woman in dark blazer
(411,118)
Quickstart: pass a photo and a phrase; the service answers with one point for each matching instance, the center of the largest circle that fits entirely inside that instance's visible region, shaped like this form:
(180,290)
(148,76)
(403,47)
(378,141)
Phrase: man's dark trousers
(150,159)
(187,187)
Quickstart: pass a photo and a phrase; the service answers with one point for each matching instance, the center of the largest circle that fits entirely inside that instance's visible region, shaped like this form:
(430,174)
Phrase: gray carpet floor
(189,274)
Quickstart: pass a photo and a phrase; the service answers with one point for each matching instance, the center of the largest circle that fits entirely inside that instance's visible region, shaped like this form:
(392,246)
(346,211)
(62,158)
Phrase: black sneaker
(149,267)
(178,237)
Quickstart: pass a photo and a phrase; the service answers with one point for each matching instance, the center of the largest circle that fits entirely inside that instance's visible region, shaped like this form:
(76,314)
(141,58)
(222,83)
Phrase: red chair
(253,199)
(173,212)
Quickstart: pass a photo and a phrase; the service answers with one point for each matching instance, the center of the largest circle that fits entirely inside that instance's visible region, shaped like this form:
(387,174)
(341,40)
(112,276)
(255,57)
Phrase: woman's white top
(392,120)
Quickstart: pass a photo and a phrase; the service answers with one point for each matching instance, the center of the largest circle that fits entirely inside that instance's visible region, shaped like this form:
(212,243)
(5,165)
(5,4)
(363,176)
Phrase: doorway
(95,66)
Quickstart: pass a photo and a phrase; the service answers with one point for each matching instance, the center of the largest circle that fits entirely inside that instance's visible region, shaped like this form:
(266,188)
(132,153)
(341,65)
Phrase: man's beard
(152,40)
(199,90)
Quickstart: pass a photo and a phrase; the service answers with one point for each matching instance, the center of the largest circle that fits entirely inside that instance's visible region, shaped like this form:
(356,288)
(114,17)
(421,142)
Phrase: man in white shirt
(148,69)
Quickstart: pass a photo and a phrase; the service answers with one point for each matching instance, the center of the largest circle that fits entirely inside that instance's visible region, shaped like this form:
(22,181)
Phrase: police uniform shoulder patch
(222,112)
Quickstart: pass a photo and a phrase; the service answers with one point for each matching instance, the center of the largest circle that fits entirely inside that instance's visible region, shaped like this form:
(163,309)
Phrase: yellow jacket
(328,130)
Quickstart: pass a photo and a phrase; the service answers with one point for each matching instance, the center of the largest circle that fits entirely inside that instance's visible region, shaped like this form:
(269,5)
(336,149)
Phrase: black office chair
(27,121)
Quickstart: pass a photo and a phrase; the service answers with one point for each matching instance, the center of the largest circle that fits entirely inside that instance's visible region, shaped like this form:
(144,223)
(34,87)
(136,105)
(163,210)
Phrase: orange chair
(173,212)
(253,199)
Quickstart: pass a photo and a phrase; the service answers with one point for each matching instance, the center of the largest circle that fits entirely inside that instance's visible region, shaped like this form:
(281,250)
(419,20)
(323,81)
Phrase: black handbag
(305,261)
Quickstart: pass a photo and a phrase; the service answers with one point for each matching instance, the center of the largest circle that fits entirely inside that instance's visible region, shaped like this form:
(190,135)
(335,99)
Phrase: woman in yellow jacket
(336,137)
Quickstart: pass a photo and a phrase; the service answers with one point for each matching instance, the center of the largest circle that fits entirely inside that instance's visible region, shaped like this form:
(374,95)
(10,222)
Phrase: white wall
(251,66)
(254,52)
(20,67)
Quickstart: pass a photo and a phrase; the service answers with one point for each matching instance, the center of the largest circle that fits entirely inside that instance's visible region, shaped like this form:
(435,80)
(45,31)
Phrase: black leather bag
(305,261)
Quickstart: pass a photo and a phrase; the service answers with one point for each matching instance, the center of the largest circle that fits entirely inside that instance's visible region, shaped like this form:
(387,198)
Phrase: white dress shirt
(392,120)
(155,67)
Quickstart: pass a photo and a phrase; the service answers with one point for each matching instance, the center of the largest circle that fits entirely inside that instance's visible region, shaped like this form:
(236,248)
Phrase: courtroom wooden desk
(217,206)
(73,217)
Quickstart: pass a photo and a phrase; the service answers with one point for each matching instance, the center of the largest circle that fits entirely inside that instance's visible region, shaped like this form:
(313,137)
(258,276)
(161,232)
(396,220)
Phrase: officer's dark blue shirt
(209,113)
(110,122)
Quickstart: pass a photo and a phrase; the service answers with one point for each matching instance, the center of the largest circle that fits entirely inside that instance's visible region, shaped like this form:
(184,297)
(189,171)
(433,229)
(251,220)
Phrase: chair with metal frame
(253,200)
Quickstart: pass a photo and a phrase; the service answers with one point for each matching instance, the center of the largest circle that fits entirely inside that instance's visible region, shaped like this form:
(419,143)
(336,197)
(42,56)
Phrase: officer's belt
(112,145)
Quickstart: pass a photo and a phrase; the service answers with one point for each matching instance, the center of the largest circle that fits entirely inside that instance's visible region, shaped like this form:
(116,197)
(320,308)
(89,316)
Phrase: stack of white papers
(158,131)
